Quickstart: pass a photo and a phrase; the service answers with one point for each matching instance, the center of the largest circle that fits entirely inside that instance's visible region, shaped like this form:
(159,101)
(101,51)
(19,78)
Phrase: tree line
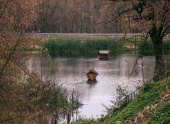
(75,16)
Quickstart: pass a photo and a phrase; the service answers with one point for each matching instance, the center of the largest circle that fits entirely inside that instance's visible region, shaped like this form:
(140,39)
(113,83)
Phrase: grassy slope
(161,115)
(150,95)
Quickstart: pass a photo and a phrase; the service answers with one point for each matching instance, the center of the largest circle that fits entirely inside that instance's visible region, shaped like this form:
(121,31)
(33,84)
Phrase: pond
(71,73)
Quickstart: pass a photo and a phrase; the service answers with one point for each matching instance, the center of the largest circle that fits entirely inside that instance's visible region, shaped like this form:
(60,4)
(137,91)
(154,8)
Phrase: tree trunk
(159,71)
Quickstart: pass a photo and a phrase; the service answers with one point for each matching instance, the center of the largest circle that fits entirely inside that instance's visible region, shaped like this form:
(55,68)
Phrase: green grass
(137,105)
(150,95)
(161,115)
(146,48)
(64,47)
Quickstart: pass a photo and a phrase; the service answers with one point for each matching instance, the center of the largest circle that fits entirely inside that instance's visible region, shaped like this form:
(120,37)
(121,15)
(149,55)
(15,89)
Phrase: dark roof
(104,51)
(92,71)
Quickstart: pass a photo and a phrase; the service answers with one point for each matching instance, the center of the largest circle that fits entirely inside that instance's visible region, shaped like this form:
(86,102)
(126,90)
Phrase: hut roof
(92,71)
(104,51)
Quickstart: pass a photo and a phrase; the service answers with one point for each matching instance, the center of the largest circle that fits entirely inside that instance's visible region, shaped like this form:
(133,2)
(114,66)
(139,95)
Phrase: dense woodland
(79,16)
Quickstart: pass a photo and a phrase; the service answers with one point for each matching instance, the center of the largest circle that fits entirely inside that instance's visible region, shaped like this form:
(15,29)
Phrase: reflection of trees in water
(91,83)
(145,66)
(72,74)
(85,89)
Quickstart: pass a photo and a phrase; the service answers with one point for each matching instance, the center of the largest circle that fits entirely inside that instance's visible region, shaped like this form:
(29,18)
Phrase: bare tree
(75,16)
(151,17)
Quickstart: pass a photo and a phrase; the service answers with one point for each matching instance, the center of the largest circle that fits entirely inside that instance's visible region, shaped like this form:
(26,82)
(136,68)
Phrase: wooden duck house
(103,54)
(92,74)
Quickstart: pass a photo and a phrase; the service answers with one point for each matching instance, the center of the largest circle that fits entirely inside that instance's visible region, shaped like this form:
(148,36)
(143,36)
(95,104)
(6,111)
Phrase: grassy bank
(65,47)
(152,94)
(146,48)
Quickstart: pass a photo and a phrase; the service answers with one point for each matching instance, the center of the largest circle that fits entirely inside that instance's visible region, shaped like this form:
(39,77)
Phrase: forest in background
(80,16)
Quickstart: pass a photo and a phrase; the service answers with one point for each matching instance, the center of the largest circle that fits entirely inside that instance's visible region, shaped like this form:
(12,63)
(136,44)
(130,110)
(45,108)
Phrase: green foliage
(87,121)
(149,95)
(146,48)
(64,47)
(161,115)
(167,48)
(56,100)
(147,87)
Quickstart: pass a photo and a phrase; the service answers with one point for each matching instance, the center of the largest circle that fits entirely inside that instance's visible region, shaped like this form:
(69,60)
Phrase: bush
(147,86)
(166,47)
(146,48)
(149,97)
(161,115)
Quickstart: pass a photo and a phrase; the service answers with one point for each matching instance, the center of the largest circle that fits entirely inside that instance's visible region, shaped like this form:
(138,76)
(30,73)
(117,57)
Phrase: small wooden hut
(92,74)
(103,54)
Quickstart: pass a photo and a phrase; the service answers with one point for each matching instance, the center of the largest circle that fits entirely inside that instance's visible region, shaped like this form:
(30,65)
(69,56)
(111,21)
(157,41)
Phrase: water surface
(71,73)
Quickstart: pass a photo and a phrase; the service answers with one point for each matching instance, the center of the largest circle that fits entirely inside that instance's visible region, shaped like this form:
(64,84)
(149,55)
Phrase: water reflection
(91,83)
(71,73)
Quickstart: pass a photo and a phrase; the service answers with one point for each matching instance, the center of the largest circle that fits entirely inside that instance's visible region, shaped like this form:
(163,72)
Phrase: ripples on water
(71,73)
